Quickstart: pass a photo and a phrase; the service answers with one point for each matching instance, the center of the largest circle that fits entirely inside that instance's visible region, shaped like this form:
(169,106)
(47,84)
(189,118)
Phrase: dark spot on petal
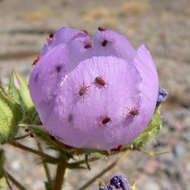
(104,43)
(70,118)
(58,68)
(101,28)
(106,120)
(36,77)
(88,46)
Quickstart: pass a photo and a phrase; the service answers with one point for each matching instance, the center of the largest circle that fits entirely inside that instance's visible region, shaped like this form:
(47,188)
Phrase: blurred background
(163,26)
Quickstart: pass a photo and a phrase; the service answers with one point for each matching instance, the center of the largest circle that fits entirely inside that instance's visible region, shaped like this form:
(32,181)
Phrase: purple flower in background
(162,96)
(94,94)
(109,187)
(120,182)
(117,182)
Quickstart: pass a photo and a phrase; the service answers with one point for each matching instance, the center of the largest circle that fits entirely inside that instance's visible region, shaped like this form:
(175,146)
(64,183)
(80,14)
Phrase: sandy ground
(163,26)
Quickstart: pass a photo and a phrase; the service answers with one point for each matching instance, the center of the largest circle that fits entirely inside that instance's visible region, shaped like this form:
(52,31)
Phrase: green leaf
(151,131)
(11,114)
(2,87)
(3,184)
(18,89)
(75,166)
(98,155)
(153,153)
(44,136)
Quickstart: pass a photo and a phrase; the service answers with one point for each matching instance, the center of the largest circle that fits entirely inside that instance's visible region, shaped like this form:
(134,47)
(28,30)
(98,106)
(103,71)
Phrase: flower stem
(14,181)
(25,148)
(21,137)
(105,170)
(59,178)
(8,183)
(81,162)
(45,165)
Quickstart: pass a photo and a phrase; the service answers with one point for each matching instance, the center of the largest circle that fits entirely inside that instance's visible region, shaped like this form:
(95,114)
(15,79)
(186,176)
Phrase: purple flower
(103,188)
(120,182)
(162,96)
(117,182)
(98,94)
(109,187)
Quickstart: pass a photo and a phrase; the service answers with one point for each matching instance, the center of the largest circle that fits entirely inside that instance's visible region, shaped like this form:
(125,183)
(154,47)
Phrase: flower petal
(150,85)
(80,48)
(47,72)
(62,36)
(110,43)
(97,116)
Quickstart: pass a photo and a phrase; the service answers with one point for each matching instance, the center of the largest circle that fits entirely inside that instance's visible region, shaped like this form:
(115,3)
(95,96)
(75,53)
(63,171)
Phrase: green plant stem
(25,148)
(8,183)
(40,129)
(82,162)
(105,170)
(14,181)
(21,137)
(45,165)
(59,178)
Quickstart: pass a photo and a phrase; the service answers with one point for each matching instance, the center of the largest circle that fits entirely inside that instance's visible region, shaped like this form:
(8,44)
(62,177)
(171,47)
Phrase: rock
(178,151)
(151,185)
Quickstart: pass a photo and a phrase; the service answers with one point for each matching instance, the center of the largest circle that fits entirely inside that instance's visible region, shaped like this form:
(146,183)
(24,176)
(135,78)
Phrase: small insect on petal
(36,60)
(85,31)
(104,43)
(87,46)
(134,112)
(51,35)
(101,28)
(100,81)
(83,89)
(106,120)
(117,148)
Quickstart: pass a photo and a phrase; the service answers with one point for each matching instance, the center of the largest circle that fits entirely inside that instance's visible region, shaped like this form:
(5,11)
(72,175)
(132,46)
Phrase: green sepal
(3,183)
(98,155)
(11,114)
(18,90)
(75,166)
(151,131)
(42,133)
